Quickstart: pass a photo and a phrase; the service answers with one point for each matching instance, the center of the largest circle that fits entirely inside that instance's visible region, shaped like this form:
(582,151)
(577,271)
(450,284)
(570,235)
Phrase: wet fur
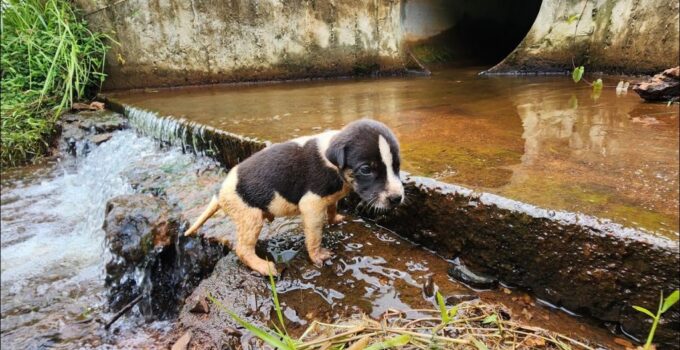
(307,176)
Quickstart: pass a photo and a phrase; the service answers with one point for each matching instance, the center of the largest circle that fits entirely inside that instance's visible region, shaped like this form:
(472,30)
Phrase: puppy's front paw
(320,256)
(266,268)
(337,219)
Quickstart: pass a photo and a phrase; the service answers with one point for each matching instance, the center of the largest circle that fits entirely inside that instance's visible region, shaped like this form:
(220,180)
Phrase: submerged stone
(474,280)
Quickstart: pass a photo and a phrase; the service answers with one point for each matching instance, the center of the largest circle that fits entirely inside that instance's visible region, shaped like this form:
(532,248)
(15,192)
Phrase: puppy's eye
(364,170)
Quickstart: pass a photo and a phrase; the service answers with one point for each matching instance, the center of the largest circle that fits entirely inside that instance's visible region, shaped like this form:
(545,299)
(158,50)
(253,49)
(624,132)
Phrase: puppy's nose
(395,199)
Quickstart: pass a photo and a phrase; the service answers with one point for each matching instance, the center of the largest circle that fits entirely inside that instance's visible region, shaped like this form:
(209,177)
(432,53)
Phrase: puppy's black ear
(336,154)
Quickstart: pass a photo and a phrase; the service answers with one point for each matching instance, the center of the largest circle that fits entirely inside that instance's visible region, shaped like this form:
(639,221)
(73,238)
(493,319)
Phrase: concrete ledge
(577,262)
(573,261)
(227,148)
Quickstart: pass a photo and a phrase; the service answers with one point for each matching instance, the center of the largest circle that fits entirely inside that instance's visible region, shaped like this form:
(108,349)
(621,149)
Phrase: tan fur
(315,210)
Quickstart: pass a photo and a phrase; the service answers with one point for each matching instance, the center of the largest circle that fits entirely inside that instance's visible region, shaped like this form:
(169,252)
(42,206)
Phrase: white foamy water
(53,251)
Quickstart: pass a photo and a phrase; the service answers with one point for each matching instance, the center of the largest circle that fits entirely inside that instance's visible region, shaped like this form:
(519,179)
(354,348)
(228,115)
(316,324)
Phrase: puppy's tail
(209,211)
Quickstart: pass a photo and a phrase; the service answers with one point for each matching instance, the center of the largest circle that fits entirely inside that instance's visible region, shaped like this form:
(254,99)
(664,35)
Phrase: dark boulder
(664,86)
(150,257)
(82,131)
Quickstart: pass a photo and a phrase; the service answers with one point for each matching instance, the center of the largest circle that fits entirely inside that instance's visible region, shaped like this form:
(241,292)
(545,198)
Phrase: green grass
(49,59)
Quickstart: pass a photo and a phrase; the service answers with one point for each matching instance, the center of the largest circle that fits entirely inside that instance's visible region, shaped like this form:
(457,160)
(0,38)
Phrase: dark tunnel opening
(469,32)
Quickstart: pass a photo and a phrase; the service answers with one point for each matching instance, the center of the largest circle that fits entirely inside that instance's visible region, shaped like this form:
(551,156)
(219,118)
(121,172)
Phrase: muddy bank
(612,36)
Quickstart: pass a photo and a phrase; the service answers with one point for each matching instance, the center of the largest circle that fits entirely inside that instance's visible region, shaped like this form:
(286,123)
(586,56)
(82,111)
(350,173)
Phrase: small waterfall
(227,148)
(53,251)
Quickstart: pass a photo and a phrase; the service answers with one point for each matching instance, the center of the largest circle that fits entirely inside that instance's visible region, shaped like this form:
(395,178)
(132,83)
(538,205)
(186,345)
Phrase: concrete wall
(628,36)
(176,42)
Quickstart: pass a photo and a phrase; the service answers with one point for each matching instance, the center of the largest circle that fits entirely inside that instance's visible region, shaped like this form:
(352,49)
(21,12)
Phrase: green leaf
(577,74)
(573,102)
(572,18)
(597,85)
(442,308)
(479,344)
(670,301)
(277,306)
(270,339)
(644,311)
(399,340)
(597,89)
(453,312)
(491,319)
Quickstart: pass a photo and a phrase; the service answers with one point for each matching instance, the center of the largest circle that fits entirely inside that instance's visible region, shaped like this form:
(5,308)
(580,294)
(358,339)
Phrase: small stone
(428,286)
(200,307)
(232,332)
(460,298)
(471,279)
(183,342)
(101,138)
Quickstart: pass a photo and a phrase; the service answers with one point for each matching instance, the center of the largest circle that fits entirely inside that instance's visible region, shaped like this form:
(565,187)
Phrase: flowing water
(542,140)
(53,252)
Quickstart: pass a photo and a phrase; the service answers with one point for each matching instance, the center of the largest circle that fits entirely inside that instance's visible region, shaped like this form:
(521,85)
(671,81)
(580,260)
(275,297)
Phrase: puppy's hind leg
(248,225)
(313,211)
(333,216)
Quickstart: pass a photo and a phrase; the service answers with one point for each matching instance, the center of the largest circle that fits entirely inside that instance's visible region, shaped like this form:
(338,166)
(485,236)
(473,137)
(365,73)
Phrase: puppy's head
(366,153)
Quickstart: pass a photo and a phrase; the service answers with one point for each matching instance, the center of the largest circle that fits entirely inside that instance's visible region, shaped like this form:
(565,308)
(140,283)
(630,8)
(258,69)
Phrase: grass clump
(468,325)
(49,59)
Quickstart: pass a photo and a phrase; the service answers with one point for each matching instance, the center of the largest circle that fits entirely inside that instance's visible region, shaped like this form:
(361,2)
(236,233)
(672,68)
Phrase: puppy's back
(290,169)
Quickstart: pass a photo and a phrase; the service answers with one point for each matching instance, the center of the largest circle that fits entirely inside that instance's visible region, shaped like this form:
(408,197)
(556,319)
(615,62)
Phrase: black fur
(289,169)
(356,146)
(293,170)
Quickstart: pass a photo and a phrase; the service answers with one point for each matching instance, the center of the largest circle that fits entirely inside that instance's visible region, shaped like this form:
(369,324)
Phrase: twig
(122,311)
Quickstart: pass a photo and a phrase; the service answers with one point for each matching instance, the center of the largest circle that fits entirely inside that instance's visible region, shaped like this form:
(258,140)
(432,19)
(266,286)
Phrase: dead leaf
(97,106)
(80,106)
(624,342)
(532,342)
(360,344)
(183,342)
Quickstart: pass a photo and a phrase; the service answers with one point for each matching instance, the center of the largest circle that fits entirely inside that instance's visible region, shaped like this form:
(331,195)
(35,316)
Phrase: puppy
(307,176)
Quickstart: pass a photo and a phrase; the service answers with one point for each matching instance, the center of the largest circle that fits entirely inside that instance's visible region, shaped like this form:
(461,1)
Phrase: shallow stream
(542,140)
(538,139)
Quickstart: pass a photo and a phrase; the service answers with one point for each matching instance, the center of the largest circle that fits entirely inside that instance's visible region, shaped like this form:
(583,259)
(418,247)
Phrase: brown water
(541,140)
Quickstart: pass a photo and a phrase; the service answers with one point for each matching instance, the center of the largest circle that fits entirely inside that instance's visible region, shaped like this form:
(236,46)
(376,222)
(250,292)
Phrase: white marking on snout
(394,185)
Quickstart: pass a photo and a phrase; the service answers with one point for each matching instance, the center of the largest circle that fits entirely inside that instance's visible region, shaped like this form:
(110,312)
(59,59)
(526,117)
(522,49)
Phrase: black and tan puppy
(308,176)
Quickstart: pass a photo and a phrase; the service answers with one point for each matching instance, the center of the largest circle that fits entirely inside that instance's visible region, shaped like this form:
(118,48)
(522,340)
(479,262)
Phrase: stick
(122,312)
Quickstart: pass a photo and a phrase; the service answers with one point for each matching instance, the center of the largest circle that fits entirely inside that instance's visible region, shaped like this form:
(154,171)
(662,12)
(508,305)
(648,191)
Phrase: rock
(83,130)
(459,298)
(664,86)
(239,291)
(149,257)
(429,287)
(200,307)
(102,121)
(183,342)
(101,138)
(474,280)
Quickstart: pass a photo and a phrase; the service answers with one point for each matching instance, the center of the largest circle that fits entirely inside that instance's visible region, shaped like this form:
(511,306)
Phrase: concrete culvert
(463,31)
